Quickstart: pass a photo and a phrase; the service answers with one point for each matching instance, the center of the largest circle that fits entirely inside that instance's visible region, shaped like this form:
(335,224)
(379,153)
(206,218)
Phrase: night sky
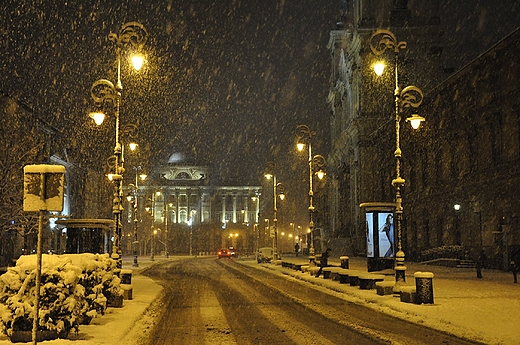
(225,83)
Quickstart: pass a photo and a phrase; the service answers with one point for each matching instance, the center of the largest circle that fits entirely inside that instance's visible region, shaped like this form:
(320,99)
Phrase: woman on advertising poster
(388,229)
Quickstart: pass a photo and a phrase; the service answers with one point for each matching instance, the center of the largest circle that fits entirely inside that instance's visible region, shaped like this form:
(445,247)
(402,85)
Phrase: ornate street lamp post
(304,135)
(104,92)
(410,96)
(278,191)
(191,220)
(256,200)
(266,232)
(167,208)
(134,201)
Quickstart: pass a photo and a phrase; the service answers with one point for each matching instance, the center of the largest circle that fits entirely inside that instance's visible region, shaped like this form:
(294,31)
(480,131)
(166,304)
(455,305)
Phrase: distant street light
(256,200)
(304,135)
(410,96)
(190,224)
(167,208)
(278,192)
(268,232)
(134,201)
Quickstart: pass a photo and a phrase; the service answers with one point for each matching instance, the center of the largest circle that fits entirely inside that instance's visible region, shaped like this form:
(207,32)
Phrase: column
(177,207)
(224,209)
(234,208)
(246,209)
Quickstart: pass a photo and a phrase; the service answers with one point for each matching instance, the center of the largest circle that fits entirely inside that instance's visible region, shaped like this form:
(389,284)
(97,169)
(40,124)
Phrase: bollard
(423,287)
(126,276)
(344,261)
(400,274)
(126,284)
(127,291)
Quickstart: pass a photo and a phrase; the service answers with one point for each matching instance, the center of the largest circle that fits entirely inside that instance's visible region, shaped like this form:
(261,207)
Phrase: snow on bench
(331,272)
(368,281)
(385,288)
(407,293)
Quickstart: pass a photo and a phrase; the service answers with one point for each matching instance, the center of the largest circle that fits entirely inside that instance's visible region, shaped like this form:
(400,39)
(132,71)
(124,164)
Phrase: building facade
(441,37)
(28,139)
(463,170)
(182,211)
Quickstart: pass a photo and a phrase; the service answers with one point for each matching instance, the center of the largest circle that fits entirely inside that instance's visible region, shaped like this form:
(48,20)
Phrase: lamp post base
(400,274)
(400,269)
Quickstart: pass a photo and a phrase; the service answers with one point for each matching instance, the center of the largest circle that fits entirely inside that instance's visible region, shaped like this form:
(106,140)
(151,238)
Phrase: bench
(331,272)
(353,278)
(344,275)
(295,265)
(298,267)
(385,288)
(407,294)
(368,281)
(313,270)
(326,272)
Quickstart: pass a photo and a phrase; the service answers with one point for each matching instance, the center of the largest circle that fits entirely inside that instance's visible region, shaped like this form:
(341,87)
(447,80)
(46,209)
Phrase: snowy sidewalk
(485,310)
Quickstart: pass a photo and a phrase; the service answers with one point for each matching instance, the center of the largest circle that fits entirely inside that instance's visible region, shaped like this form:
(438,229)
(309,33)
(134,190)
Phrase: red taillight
(219,253)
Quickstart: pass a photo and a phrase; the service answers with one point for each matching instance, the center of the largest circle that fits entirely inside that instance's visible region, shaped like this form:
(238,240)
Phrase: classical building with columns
(183,212)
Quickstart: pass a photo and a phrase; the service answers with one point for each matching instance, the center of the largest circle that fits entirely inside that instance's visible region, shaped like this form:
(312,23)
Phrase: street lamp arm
(112,163)
(381,40)
(132,34)
(411,96)
(303,132)
(102,91)
(318,161)
(130,130)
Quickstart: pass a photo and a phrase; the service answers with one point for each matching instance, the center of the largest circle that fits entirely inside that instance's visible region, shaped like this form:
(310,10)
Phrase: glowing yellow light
(415,121)
(137,61)
(378,67)
(98,117)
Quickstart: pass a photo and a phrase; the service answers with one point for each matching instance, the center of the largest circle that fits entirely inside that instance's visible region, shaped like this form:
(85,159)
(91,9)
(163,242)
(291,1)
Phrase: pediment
(185,173)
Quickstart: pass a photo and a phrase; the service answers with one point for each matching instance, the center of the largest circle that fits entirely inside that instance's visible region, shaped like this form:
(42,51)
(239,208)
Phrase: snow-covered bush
(62,299)
(99,280)
(74,289)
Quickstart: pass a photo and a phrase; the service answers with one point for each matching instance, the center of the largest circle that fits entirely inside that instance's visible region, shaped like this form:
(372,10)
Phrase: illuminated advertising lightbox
(380,235)
(370,234)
